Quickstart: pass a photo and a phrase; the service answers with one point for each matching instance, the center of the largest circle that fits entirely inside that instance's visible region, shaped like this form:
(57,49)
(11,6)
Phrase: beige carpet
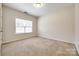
(37,46)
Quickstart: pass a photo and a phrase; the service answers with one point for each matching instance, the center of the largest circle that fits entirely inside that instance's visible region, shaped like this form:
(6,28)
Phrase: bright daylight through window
(23,26)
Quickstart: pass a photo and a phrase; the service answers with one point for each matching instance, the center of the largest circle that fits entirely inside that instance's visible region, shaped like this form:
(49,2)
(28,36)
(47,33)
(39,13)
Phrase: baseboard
(55,39)
(16,40)
(34,36)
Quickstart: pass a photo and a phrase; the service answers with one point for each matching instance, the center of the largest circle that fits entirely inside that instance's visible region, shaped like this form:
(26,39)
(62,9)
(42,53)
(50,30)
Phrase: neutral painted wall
(77,26)
(58,25)
(9,16)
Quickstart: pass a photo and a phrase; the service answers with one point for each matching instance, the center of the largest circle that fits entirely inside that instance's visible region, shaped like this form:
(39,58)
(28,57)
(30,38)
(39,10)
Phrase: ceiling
(30,9)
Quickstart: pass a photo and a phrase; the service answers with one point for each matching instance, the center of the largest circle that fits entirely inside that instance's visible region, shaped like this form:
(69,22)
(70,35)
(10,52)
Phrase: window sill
(23,33)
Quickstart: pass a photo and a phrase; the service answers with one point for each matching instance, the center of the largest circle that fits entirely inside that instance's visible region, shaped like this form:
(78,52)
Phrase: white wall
(58,25)
(9,16)
(77,26)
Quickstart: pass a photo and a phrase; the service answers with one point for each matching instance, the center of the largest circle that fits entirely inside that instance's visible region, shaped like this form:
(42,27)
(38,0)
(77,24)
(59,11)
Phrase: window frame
(23,26)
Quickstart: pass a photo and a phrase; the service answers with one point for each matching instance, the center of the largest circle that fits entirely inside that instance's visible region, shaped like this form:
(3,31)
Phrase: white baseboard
(55,39)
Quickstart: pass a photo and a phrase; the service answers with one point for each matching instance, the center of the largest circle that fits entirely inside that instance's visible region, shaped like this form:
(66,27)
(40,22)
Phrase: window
(23,26)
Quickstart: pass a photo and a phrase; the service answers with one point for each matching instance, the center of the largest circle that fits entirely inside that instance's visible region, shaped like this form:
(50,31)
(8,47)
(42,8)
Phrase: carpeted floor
(38,46)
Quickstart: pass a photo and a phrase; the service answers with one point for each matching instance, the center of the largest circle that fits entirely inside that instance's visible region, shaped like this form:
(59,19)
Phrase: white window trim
(24,27)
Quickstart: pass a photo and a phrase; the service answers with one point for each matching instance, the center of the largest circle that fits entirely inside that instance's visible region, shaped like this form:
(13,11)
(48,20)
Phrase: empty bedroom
(39,29)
